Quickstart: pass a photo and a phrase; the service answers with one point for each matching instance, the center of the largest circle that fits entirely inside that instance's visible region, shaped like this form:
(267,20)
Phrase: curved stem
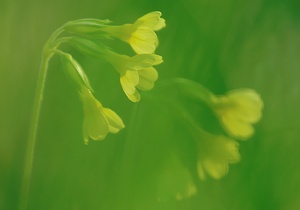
(59,41)
(33,132)
(29,156)
(52,39)
(188,87)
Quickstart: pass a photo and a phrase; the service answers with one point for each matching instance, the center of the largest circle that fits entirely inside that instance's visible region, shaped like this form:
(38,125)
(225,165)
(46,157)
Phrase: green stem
(191,124)
(188,87)
(29,156)
(50,44)
(33,132)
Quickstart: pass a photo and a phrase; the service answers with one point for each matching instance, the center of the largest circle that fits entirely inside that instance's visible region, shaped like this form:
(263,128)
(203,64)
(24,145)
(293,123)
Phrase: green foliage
(223,45)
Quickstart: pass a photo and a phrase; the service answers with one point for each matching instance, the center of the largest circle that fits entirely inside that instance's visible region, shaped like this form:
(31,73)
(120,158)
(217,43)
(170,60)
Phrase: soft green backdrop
(223,44)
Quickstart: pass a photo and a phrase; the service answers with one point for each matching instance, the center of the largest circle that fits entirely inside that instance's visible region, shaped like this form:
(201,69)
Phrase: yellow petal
(249,104)
(128,81)
(145,84)
(115,123)
(95,125)
(135,97)
(215,152)
(238,110)
(216,169)
(147,78)
(161,24)
(236,127)
(143,41)
(149,73)
(158,59)
(151,20)
(132,77)
(142,61)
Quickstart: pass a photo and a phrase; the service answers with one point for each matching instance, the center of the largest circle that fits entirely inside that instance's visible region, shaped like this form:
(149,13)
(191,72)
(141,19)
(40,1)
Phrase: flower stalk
(33,131)
(98,120)
(38,98)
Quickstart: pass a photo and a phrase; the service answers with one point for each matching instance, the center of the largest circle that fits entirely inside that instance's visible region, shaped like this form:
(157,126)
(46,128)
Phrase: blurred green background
(222,44)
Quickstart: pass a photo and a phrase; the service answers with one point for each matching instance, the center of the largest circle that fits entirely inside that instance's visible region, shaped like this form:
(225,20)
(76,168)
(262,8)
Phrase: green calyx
(75,71)
(85,26)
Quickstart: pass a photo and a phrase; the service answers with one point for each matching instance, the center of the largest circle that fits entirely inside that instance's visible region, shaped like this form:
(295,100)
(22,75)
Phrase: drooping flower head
(140,34)
(135,72)
(215,152)
(238,110)
(98,121)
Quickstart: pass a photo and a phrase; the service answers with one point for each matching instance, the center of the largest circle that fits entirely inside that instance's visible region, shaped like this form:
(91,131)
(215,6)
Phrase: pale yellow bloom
(215,152)
(135,72)
(238,110)
(98,121)
(140,34)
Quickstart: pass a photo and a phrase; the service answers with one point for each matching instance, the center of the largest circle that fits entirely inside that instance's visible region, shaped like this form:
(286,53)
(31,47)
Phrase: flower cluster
(237,111)
(136,72)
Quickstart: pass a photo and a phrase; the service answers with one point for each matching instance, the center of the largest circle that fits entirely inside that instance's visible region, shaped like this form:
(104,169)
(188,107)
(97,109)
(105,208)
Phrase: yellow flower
(98,121)
(215,152)
(238,110)
(135,72)
(140,35)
